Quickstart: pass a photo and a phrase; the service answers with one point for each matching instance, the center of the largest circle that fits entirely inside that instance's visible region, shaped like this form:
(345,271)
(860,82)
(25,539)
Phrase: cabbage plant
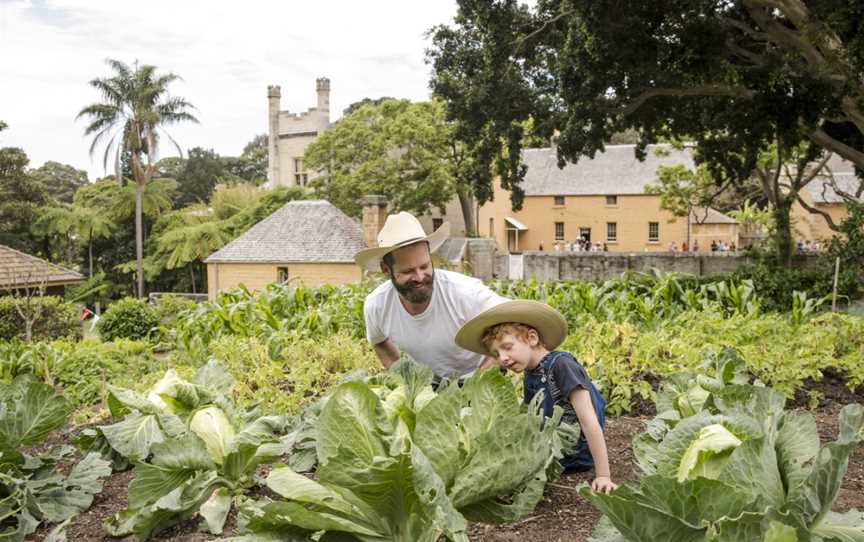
(32,488)
(742,468)
(201,472)
(399,462)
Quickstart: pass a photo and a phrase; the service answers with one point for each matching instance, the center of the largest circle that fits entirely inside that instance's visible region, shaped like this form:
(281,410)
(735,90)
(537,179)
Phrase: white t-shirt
(429,337)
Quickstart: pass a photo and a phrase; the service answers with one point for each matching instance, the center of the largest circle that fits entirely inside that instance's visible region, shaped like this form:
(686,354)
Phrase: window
(585,234)
(559,231)
(611,232)
(559,200)
(611,200)
(281,274)
(491,227)
(653,232)
(437,223)
(300,175)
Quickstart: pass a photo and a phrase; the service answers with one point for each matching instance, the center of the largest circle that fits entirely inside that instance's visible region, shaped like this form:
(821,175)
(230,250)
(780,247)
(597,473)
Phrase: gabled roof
(709,216)
(300,231)
(614,172)
(18,269)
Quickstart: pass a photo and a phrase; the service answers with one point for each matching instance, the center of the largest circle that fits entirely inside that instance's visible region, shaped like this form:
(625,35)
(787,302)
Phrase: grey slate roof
(301,231)
(613,172)
(712,216)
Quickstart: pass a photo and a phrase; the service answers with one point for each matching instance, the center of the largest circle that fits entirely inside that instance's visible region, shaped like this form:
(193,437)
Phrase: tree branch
(703,90)
(519,42)
(821,138)
(813,210)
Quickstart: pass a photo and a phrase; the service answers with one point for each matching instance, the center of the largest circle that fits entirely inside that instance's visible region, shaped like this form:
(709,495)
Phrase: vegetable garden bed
(561,516)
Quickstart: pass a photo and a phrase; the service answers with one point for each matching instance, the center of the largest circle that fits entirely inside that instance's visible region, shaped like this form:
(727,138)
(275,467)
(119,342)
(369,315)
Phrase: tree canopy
(405,151)
(734,77)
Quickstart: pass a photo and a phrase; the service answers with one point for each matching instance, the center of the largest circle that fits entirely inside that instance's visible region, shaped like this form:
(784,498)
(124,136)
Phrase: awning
(515,223)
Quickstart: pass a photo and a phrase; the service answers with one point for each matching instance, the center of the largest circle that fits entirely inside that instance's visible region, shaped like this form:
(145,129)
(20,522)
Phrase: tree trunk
(139,238)
(192,274)
(28,330)
(783,233)
(466,202)
(90,253)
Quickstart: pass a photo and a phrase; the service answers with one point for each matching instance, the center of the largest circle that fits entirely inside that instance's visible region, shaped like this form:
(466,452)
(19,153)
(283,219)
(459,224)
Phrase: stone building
(310,241)
(289,133)
(602,200)
(820,194)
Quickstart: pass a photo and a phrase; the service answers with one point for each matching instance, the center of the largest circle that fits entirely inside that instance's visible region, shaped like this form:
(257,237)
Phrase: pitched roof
(20,269)
(614,172)
(300,231)
(709,216)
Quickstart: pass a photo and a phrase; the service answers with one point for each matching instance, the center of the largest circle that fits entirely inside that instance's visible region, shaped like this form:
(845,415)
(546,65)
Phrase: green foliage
(194,450)
(21,196)
(201,172)
(59,319)
(303,371)
(738,465)
(128,319)
(61,180)
(36,489)
(421,464)
(402,150)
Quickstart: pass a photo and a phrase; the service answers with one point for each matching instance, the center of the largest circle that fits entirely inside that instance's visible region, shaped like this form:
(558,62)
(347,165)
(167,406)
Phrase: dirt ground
(562,515)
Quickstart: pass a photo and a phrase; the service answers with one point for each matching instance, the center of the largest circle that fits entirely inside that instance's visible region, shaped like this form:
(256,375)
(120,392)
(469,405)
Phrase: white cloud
(226,52)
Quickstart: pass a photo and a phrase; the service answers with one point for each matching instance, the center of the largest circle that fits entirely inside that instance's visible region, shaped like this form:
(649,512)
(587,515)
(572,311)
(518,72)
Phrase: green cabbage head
(708,453)
(213,427)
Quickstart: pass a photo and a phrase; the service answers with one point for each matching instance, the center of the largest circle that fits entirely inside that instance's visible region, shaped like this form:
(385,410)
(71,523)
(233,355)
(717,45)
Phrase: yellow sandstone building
(602,201)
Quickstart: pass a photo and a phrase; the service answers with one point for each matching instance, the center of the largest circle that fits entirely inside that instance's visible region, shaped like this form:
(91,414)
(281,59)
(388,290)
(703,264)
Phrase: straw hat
(401,229)
(548,322)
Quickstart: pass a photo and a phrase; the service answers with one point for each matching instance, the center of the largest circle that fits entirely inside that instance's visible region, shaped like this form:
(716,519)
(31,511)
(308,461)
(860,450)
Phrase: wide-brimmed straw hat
(401,229)
(548,322)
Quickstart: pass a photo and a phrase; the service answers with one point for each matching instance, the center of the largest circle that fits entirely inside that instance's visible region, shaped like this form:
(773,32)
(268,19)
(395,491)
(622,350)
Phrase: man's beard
(411,292)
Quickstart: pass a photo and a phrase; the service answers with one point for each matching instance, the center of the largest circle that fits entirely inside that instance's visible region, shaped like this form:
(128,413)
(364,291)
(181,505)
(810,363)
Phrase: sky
(226,53)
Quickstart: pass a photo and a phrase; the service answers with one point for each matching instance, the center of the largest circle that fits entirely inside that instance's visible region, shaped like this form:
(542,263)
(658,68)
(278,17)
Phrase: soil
(562,515)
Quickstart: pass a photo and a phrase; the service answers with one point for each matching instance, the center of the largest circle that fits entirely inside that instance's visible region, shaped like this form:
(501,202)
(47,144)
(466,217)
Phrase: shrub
(168,309)
(59,319)
(128,318)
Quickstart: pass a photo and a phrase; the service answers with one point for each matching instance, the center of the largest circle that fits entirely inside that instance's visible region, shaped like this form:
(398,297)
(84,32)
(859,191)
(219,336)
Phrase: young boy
(523,336)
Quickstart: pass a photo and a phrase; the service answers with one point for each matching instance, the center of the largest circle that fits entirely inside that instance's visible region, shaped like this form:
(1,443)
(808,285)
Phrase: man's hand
(603,484)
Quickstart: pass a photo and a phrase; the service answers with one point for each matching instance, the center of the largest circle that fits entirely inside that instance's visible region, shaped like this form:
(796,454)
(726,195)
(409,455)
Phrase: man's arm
(387,352)
(580,398)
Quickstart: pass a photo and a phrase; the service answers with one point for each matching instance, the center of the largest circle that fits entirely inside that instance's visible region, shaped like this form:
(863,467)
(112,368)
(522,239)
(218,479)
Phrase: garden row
(383,457)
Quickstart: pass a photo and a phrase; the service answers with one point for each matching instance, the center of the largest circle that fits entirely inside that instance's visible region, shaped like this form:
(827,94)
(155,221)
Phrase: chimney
(374,215)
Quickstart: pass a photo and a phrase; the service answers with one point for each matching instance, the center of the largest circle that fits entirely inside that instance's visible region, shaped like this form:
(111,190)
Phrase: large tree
(60,180)
(405,151)
(22,195)
(739,78)
(135,109)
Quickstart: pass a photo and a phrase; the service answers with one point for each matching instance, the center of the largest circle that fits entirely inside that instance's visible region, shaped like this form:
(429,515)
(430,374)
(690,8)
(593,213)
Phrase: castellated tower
(274,96)
(289,133)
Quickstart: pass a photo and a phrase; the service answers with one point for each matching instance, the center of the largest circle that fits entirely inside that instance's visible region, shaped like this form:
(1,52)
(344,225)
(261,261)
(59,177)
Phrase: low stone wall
(599,266)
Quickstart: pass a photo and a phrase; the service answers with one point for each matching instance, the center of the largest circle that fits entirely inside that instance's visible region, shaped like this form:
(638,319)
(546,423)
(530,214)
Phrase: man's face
(412,273)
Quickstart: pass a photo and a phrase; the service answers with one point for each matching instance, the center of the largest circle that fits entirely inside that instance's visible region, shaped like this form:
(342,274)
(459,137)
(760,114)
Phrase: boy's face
(514,353)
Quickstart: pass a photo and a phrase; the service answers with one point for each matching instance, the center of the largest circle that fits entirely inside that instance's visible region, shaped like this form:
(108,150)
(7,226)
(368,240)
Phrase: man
(419,310)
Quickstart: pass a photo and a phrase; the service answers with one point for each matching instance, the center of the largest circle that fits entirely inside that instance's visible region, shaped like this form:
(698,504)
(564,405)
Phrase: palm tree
(134,111)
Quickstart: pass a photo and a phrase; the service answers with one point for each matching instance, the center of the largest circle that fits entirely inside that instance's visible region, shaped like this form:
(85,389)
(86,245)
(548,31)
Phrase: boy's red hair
(497,332)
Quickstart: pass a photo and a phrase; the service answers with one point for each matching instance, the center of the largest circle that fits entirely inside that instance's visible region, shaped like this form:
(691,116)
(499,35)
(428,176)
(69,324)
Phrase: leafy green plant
(32,488)
(740,468)
(398,462)
(59,319)
(128,318)
(194,452)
